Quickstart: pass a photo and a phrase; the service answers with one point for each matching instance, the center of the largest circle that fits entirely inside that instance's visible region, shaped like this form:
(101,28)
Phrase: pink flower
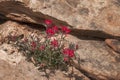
(33,44)
(55,29)
(66,59)
(48,22)
(54,43)
(50,32)
(65,29)
(69,52)
(42,47)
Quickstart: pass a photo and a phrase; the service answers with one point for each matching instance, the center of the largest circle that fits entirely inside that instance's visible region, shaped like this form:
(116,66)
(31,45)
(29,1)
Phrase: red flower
(48,22)
(55,29)
(54,43)
(50,32)
(66,59)
(42,47)
(68,52)
(65,29)
(33,44)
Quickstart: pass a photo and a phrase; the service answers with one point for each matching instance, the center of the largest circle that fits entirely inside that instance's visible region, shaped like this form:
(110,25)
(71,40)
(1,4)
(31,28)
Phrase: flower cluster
(68,52)
(65,29)
(42,47)
(54,43)
(50,50)
(52,30)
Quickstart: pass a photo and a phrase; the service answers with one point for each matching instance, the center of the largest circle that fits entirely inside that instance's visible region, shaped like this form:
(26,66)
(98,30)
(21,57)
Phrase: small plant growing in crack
(52,50)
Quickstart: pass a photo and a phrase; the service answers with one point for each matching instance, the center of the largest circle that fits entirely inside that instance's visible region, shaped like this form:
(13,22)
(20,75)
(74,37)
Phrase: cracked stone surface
(103,15)
(97,15)
(97,60)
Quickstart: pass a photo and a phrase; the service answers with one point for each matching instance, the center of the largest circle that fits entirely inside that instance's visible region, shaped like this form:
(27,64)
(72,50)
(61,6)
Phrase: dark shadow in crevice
(2,19)
(92,34)
(34,26)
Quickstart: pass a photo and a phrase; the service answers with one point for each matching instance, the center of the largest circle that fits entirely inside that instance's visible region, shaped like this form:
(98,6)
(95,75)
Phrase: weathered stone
(114,44)
(83,16)
(82,13)
(88,17)
(10,54)
(97,60)
(109,19)
(17,11)
(27,71)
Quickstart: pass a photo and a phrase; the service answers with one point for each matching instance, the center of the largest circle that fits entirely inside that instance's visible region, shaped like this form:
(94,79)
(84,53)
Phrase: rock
(18,13)
(27,71)
(114,44)
(109,19)
(99,16)
(21,13)
(10,54)
(94,18)
(102,15)
(96,59)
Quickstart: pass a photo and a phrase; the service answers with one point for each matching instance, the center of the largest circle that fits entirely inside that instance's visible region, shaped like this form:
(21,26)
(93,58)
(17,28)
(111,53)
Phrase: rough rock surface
(10,54)
(95,15)
(103,15)
(27,71)
(97,60)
